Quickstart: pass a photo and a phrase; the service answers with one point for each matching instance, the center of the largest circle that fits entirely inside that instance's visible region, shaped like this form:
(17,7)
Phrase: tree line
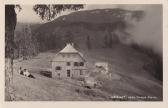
(26,45)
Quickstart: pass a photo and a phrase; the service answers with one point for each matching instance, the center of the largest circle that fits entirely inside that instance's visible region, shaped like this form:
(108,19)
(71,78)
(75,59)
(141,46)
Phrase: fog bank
(148,31)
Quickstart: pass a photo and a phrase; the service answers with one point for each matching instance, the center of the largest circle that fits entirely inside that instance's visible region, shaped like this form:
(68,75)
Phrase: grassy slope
(128,78)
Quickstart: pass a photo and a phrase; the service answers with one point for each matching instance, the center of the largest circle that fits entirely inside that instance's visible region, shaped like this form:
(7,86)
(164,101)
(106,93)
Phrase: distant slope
(93,23)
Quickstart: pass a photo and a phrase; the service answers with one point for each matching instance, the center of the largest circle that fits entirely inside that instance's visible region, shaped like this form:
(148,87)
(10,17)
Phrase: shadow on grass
(46,74)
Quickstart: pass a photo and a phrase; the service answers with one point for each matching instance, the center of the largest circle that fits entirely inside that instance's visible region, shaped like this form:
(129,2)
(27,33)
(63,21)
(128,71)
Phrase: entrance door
(68,73)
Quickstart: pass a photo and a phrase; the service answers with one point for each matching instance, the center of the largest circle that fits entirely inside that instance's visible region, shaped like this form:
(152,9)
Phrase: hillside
(128,78)
(95,24)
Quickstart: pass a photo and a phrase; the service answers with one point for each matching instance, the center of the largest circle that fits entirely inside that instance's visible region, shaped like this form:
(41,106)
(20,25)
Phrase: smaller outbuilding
(102,67)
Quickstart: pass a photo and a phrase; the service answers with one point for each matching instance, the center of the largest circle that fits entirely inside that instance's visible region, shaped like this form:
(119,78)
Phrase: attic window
(57,68)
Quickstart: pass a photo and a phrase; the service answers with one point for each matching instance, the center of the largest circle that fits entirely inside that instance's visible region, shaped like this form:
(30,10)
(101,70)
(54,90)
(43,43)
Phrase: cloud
(148,31)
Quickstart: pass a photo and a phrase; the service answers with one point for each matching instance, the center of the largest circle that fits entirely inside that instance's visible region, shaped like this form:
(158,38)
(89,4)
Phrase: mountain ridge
(82,24)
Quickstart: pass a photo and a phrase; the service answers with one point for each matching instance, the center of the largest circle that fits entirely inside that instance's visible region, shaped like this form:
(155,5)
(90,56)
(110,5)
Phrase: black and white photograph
(83,52)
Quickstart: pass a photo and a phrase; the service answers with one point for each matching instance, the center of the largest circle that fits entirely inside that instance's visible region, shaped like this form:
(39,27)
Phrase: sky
(27,15)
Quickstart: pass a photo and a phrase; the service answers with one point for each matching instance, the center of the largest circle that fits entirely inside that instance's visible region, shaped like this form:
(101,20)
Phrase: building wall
(61,61)
(104,65)
(68,57)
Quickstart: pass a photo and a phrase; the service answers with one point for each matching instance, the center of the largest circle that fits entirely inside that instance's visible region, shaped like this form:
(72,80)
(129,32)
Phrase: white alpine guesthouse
(68,63)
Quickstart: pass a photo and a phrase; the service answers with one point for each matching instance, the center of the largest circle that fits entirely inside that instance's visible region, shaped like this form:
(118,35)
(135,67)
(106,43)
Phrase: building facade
(68,63)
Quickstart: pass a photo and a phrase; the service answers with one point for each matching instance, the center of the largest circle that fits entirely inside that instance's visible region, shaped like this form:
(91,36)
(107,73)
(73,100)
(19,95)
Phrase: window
(75,63)
(68,63)
(81,72)
(68,73)
(57,68)
(81,64)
